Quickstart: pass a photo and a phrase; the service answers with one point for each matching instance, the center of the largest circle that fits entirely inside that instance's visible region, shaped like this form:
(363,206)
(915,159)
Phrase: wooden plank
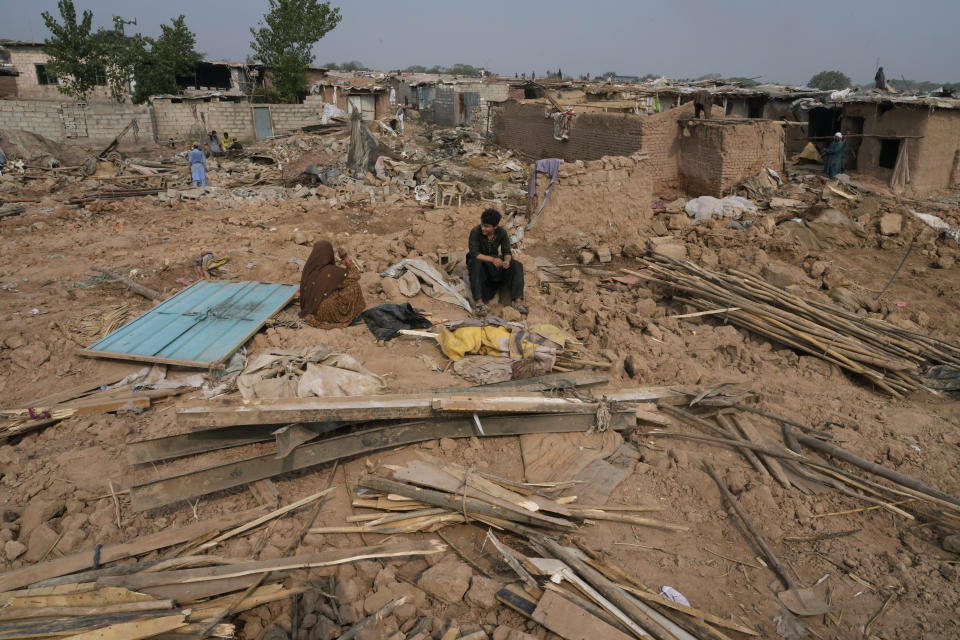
(569,621)
(194,442)
(77,391)
(511,404)
(88,596)
(27,613)
(225,476)
(32,629)
(519,600)
(110,553)
(232,412)
(329,558)
(548,382)
(135,630)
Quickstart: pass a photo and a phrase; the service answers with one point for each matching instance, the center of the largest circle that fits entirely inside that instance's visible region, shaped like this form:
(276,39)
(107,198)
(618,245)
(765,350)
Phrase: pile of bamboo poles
(790,465)
(890,357)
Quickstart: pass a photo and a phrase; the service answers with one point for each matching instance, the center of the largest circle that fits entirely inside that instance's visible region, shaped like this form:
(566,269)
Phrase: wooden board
(194,442)
(510,404)
(135,630)
(232,412)
(569,621)
(157,493)
(24,629)
(519,600)
(110,553)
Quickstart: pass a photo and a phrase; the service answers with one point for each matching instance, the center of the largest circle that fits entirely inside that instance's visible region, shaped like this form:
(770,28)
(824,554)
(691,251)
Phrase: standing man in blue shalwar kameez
(198,165)
(834,156)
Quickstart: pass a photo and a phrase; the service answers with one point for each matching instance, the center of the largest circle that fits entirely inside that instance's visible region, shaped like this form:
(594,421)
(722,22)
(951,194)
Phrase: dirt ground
(45,262)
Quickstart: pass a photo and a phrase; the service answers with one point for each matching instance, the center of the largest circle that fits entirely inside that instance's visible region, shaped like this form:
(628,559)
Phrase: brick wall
(592,135)
(596,201)
(103,121)
(183,120)
(660,133)
(717,156)
(26,59)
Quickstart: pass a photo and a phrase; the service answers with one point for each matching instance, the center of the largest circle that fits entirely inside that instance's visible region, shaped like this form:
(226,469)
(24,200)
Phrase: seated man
(491,264)
(230,144)
(214,141)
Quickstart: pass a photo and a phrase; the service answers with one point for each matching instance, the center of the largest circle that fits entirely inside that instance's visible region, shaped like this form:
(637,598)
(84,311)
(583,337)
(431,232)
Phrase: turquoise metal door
(262,123)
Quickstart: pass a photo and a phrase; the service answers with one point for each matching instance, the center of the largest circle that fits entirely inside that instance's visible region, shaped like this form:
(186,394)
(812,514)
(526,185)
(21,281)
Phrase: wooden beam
(510,404)
(232,412)
(157,493)
(110,553)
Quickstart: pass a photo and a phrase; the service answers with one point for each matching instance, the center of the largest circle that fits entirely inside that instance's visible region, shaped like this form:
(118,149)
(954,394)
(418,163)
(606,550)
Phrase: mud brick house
(706,157)
(929,128)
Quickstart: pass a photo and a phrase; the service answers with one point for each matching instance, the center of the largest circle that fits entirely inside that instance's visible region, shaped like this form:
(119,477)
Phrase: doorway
(889,150)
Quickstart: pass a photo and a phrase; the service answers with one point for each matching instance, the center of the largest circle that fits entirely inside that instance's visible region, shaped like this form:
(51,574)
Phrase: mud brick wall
(660,133)
(103,121)
(592,135)
(596,201)
(717,156)
(932,157)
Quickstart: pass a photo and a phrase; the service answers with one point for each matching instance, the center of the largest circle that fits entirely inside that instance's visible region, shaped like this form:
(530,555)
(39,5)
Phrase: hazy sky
(776,40)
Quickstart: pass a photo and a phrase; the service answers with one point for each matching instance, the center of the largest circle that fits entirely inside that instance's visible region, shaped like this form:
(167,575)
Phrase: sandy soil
(46,258)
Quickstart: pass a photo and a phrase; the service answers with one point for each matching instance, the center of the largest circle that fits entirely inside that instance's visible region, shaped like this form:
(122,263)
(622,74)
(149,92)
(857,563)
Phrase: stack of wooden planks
(314,431)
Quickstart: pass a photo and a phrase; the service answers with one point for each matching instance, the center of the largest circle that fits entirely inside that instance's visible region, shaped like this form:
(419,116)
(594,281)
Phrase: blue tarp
(201,326)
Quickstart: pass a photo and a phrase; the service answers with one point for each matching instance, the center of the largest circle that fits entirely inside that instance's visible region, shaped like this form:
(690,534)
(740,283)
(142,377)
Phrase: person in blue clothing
(834,156)
(198,165)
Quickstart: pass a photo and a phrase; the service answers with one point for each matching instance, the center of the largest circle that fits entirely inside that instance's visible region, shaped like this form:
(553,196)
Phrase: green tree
(75,54)
(119,55)
(461,69)
(169,62)
(830,81)
(284,41)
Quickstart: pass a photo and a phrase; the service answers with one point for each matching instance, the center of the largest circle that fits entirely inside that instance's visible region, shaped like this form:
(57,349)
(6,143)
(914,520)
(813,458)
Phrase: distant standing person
(490,264)
(834,156)
(198,165)
(880,79)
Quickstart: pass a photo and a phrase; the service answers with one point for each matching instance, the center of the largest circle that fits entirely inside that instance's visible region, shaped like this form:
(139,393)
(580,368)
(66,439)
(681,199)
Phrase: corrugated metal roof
(199,327)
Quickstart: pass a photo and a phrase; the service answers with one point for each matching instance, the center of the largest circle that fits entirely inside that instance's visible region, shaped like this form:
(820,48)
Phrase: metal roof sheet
(199,327)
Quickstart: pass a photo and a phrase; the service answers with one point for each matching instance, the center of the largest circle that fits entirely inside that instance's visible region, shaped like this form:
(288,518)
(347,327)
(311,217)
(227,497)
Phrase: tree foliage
(167,62)
(83,59)
(284,41)
(830,81)
(75,53)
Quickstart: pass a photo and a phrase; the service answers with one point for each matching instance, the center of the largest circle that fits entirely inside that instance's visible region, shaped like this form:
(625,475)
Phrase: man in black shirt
(491,264)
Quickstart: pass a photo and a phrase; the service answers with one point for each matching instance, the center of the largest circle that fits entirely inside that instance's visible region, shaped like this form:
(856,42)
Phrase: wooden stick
(376,616)
(880,470)
(116,503)
(139,289)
